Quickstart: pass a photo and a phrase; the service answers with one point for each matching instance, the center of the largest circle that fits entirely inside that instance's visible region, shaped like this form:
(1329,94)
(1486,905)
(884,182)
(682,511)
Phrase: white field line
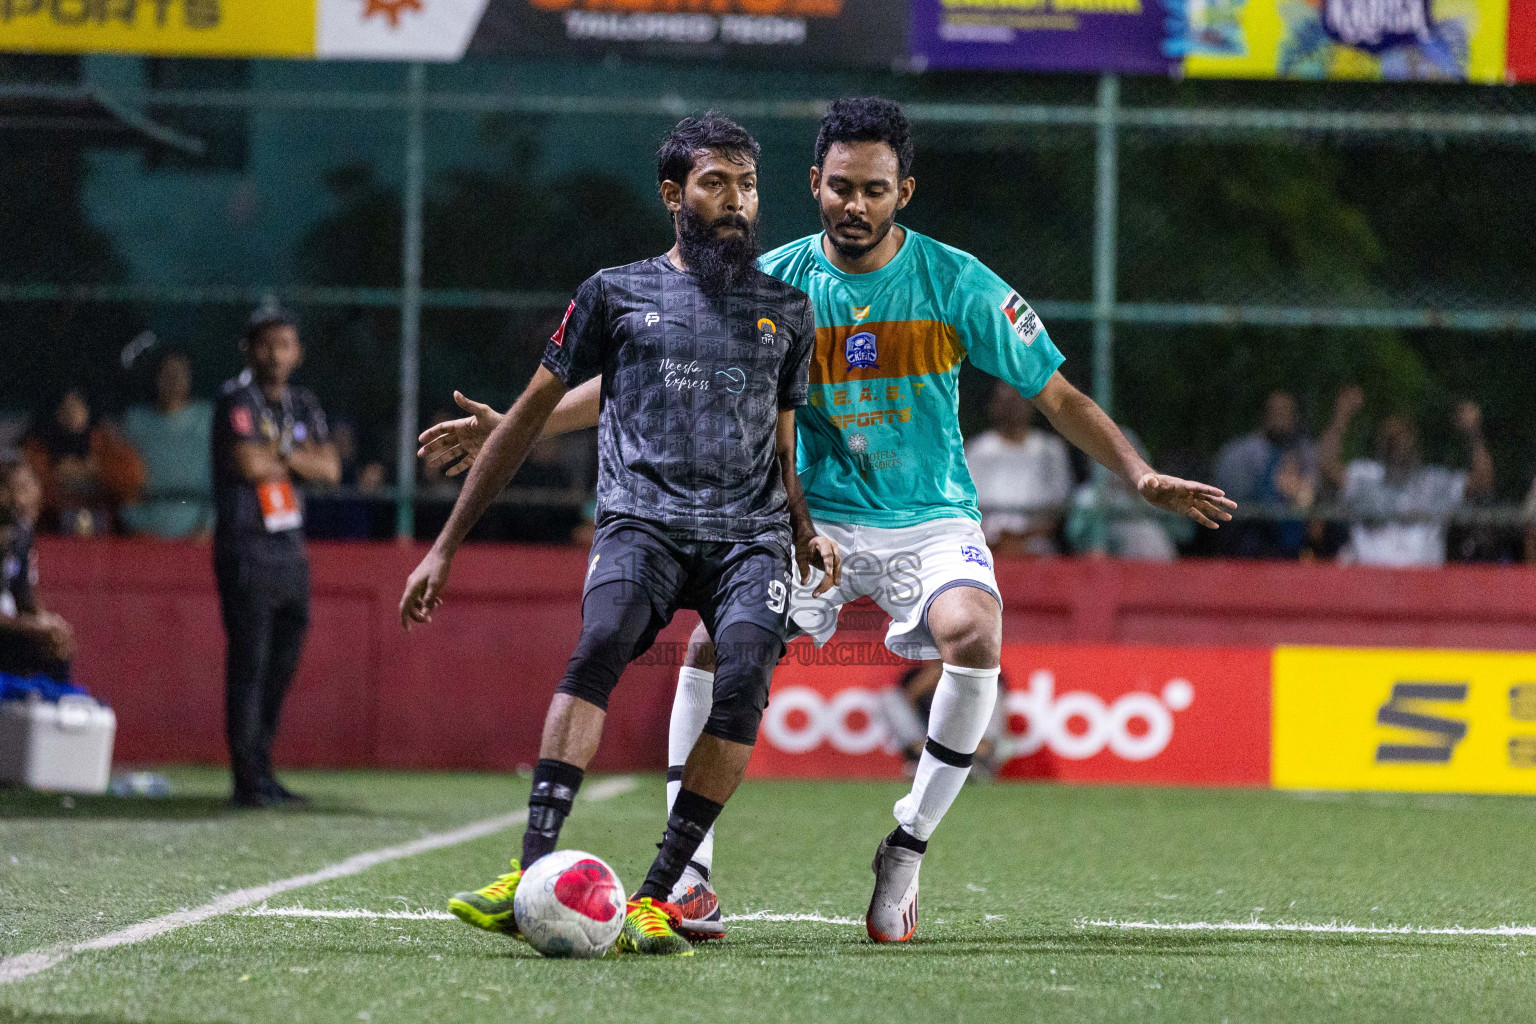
(768,915)
(347,915)
(24,965)
(1329,928)
(439,915)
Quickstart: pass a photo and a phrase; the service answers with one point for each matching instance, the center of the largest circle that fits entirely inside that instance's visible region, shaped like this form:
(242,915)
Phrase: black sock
(554,790)
(906,840)
(692,815)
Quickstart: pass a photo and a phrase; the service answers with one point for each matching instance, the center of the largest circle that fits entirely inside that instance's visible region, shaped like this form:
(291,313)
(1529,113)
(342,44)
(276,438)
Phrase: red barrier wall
(470,690)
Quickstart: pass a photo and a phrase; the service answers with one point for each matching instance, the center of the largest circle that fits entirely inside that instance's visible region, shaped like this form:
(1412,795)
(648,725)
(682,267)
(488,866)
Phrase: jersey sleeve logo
(1025,323)
(860,350)
(240,420)
(558,338)
(767,331)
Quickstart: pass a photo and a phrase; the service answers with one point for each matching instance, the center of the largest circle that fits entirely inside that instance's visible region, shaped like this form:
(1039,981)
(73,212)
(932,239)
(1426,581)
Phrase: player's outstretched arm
(1079,419)
(462,438)
(502,455)
(810,548)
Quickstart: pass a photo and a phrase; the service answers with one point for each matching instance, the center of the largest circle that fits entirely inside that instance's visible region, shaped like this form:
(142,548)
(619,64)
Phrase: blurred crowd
(1299,497)
(148,474)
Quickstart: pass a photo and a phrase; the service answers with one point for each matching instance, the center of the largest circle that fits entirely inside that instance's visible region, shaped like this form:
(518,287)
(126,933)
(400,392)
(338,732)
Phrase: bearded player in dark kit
(703,360)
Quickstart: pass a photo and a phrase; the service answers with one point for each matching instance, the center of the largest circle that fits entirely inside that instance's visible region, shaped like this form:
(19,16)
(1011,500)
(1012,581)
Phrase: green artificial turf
(1010,881)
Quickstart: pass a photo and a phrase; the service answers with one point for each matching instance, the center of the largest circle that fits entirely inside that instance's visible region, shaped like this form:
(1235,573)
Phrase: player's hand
(821,552)
(459,439)
(424,589)
(1201,502)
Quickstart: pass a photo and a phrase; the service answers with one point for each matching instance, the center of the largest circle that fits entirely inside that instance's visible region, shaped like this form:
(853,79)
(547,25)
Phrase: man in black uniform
(33,640)
(267,437)
(703,360)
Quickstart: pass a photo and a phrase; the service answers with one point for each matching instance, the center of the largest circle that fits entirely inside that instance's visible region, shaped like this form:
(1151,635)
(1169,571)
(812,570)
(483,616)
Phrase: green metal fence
(1101,113)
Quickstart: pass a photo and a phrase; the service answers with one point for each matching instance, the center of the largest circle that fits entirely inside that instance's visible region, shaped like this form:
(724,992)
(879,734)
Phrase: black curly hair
(867,119)
(691,135)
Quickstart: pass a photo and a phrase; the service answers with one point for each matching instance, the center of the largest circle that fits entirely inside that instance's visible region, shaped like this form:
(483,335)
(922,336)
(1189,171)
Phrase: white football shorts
(902,570)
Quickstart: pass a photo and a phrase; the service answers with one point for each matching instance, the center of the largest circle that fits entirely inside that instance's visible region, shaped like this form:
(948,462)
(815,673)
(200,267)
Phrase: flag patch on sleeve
(1025,323)
(559,336)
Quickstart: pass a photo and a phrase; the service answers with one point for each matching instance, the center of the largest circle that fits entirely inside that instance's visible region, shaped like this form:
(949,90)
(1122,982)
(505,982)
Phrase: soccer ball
(570,903)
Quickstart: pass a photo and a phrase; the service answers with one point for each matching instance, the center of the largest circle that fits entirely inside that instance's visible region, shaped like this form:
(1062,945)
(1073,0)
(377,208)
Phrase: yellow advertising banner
(1403,720)
(185,28)
(1376,40)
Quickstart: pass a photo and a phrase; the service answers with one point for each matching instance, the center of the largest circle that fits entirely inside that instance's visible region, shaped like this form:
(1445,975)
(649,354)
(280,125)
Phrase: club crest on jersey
(860,350)
(558,338)
(240,419)
(767,332)
(860,313)
(1025,323)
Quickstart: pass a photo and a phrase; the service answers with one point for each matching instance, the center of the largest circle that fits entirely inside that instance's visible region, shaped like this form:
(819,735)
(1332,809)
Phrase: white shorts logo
(1049,719)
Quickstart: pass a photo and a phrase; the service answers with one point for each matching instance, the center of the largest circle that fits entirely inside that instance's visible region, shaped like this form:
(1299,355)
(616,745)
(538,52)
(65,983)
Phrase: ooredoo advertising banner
(1180,716)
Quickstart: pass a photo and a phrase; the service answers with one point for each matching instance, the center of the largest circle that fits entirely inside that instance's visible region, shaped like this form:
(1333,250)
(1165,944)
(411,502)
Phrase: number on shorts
(777,592)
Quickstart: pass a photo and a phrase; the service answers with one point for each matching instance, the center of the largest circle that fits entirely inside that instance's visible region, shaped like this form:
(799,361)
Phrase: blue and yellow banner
(1390,40)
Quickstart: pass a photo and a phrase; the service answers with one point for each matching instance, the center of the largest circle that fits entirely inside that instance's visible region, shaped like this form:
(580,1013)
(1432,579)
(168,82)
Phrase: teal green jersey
(879,443)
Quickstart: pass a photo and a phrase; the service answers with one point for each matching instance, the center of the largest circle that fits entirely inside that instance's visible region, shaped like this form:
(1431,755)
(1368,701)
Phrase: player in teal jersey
(882,463)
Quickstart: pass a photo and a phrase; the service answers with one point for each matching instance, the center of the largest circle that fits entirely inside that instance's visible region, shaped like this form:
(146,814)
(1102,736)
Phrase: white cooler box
(64,746)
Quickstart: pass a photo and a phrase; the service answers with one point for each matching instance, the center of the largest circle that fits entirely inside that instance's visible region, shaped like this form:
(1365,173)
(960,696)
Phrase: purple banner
(1042,35)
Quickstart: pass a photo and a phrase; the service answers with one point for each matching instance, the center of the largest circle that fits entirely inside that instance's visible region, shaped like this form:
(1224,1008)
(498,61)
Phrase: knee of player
(736,717)
(701,650)
(741,695)
(971,641)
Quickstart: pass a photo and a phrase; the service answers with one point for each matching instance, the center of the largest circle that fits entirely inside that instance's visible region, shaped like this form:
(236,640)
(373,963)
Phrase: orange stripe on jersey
(901,348)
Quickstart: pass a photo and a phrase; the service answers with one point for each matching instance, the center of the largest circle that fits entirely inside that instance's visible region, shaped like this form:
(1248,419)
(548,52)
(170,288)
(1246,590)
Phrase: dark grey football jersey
(692,388)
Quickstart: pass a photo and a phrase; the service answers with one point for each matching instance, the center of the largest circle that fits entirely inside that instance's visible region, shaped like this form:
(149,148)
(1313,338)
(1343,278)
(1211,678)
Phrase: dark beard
(855,250)
(719,264)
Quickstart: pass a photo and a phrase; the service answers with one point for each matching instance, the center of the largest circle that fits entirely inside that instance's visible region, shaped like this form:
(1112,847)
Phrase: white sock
(962,709)
(690,710)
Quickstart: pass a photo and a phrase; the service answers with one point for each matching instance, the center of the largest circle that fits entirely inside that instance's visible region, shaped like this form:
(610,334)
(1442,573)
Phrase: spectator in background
(1119,523)
(351,513)
(172,437)
(1275,465)
(33,640)
(1397,505)
(1023,477)
(86,469)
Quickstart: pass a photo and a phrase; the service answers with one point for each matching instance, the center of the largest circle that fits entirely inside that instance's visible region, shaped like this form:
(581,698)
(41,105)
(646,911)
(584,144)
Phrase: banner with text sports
(836,32)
